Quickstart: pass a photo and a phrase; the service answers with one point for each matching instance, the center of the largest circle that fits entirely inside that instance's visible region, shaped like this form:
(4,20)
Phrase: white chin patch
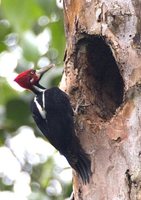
(32,80)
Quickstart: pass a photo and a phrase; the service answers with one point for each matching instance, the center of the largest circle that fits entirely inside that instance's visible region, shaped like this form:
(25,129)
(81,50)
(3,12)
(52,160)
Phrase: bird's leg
(80,104)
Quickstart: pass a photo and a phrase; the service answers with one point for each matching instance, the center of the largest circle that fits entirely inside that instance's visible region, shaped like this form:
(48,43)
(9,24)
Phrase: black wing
(58,125)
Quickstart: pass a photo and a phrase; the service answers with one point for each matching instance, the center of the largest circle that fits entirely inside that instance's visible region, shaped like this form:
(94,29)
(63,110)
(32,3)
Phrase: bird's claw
(80,104)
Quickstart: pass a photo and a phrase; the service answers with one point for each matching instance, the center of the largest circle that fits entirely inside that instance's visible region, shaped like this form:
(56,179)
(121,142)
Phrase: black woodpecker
(53,114)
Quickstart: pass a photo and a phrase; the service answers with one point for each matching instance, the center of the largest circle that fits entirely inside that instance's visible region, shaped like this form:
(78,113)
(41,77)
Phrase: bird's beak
(43,70)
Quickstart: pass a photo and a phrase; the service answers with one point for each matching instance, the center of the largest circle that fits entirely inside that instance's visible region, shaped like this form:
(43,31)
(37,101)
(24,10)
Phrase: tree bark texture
(103,76)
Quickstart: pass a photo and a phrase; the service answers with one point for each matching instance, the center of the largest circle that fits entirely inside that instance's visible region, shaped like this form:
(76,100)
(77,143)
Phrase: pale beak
(43,70)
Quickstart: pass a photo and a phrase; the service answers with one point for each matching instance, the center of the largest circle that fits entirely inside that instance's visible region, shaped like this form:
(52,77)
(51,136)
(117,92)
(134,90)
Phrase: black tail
(81,163)
(83,167)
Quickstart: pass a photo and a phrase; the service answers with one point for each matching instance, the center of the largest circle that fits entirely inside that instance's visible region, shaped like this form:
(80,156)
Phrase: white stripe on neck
(39,107)
(38,88)
(43,99)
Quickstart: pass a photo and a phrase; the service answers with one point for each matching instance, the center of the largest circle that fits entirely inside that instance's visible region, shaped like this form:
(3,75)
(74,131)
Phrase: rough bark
(103,74)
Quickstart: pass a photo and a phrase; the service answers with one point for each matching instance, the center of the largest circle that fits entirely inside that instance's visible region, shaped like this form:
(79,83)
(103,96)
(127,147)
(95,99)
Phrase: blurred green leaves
(30,50)
(6,92)
(17,112)
(22,15)
(32,32)
(28,19)
(4,29)
(59,40)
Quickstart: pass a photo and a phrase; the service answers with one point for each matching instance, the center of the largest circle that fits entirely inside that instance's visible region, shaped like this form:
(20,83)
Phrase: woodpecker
(53,114)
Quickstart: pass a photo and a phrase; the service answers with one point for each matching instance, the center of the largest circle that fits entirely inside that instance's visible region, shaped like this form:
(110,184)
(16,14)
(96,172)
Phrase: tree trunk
(103,76)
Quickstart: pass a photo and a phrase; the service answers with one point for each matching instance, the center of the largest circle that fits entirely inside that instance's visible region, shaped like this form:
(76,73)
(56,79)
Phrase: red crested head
(30,78)
(27,79)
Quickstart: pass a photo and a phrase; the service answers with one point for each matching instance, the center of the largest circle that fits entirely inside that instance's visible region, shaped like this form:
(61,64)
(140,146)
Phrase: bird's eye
(32,72)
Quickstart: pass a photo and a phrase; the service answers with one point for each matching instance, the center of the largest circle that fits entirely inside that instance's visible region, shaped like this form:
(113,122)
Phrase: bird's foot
(80,104)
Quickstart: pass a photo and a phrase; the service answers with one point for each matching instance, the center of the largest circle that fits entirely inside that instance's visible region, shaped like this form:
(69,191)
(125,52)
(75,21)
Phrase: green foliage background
(17,20)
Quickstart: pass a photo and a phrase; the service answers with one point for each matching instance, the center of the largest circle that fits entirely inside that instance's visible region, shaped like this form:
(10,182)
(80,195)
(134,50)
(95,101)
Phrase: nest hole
(101,74)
